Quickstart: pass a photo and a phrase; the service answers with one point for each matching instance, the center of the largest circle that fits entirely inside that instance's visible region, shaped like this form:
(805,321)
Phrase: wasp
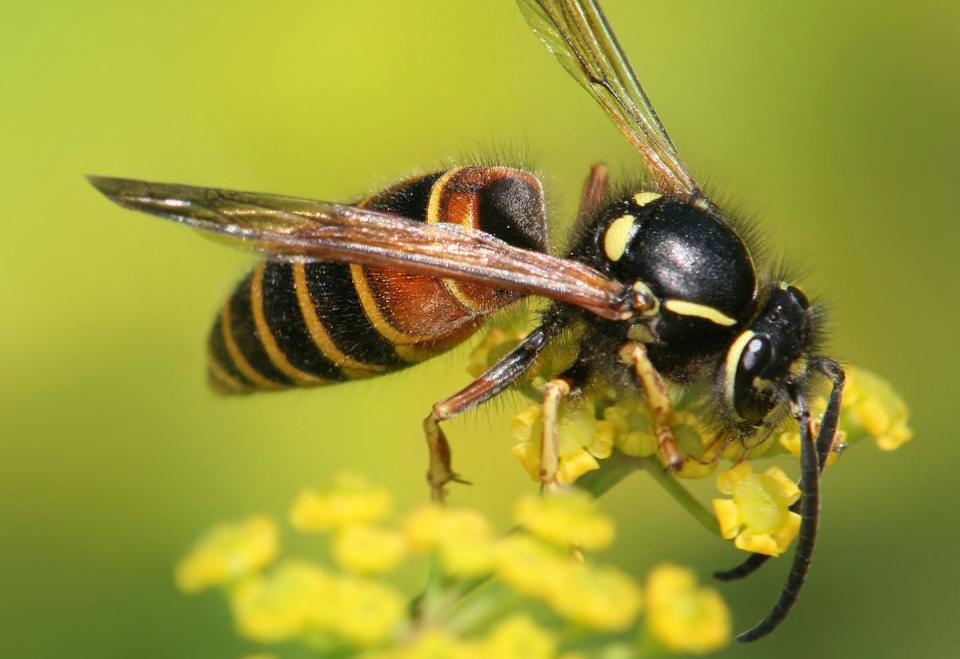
(658,285)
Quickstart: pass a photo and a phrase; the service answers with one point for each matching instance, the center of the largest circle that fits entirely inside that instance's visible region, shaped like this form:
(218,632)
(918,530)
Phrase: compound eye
(757,355)
(753,396)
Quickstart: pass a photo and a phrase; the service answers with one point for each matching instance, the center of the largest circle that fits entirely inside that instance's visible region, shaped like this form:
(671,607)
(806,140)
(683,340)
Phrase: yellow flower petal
(728,516)
(528,566)
(565,518)
(683,617)
(600,598)
(366,611)
(368,549)
(758,543)
(352,501)
(518,637)
(728,480)
(573,465)
(283,604)
(462,538)
(228,552)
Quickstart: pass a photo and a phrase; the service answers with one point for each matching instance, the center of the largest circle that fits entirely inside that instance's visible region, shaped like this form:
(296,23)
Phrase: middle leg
(661,409)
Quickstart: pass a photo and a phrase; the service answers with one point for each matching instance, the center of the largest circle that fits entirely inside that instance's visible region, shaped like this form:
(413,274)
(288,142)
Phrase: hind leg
(494,381)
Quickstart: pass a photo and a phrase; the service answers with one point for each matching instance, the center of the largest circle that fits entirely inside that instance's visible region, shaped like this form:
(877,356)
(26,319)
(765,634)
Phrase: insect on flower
(658,286)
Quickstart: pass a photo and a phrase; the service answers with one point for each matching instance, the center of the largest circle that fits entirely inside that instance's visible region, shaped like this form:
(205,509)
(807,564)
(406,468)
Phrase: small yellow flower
(518,637)
(758,515)
(368,549)
(530,567)
(228,552)
(583,439)
(683,617)
(365,612)
(283,604)
(873,405)
(634,431)
(462,538)
(565,518)
(352,501)
(600,598)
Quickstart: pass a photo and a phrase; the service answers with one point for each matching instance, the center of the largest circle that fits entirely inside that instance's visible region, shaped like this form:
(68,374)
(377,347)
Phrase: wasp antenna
(753,563)
(810,514)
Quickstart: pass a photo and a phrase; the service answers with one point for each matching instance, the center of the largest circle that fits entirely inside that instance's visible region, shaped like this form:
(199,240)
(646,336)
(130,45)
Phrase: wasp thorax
(760,358)
(692,261)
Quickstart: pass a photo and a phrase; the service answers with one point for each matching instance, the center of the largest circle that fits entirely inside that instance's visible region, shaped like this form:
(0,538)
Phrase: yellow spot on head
(644,198)
(617,236)
(684,308)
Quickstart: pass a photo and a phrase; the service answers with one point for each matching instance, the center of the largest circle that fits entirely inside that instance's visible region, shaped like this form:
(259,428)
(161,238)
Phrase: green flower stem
(618,466)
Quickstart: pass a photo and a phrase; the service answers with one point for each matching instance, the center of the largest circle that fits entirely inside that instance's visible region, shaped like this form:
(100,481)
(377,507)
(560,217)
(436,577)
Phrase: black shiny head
(763,356)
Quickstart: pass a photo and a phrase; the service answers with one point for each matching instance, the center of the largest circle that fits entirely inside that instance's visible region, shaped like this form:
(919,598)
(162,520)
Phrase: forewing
(291,228)
(578,35)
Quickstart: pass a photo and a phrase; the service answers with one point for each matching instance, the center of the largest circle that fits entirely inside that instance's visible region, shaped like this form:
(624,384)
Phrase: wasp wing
(578,35)
(293,229)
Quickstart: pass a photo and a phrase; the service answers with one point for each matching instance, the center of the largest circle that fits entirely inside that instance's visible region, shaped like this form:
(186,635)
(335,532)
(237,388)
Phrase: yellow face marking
(268,340)
(245,367)
(733,361)
(617,236)
(644,198)
(684,308)
(321,338)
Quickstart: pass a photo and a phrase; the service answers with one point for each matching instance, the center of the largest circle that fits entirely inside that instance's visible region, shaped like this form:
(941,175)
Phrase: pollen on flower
(583,439)
(683,617)
(227,553)
(757,518)
(368,549)
(566,518)
(352,501)
(283,604)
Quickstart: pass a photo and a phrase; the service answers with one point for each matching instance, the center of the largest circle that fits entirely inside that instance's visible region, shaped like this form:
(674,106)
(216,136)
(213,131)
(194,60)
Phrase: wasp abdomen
(311,323)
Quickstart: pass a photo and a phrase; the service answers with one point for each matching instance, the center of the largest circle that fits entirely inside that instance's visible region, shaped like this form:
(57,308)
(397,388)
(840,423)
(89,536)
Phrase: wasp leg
(595,190)
(825,443)
(553,393)
(658,401)
(497,378)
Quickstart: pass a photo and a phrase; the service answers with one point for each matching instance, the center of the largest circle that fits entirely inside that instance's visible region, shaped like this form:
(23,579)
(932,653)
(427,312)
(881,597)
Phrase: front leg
(661,409)
(497,378)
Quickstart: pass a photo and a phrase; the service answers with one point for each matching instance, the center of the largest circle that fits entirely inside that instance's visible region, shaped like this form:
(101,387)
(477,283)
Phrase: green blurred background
(835,123)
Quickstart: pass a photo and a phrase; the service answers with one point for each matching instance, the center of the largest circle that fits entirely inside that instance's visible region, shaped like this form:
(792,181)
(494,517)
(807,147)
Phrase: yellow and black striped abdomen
(311,323)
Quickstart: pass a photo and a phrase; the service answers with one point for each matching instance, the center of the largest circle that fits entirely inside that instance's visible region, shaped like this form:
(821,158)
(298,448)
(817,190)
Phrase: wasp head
(767,354)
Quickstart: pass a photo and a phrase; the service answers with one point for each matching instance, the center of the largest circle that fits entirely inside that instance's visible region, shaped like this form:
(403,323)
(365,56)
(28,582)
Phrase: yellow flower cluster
(539,568)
